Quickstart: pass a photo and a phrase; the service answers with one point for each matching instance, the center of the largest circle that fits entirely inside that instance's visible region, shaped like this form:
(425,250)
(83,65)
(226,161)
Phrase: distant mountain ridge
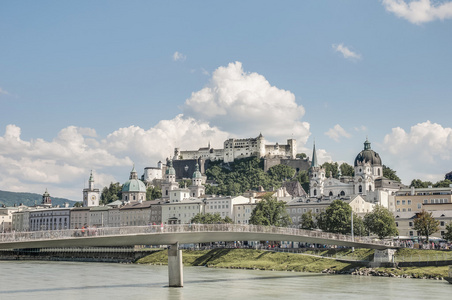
(29,199)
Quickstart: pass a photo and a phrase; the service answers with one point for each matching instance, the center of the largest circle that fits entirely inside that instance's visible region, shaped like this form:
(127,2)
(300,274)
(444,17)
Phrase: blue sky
(104,84)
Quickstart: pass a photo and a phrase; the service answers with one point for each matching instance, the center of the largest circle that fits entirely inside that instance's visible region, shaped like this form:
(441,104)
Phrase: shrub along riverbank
(276,261)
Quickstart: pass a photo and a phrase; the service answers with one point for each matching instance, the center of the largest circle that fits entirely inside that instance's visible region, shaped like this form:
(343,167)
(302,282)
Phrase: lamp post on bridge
(353,237)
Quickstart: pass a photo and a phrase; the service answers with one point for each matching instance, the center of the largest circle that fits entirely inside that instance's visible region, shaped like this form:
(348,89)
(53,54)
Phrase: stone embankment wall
(93,255)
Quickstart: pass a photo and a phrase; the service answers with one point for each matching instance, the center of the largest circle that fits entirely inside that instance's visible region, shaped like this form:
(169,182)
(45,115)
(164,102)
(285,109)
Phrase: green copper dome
(134,184)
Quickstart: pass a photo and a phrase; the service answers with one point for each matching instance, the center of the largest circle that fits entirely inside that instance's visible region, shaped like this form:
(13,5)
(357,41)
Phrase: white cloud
(337,132)
(63,164)
(421,11)
(346,52)
(246,104)
(2,91)
(234,103)
(177,56)
(424,152)
(360,128)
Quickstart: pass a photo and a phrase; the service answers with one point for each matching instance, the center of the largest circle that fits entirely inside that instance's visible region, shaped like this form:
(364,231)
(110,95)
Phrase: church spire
(314,163)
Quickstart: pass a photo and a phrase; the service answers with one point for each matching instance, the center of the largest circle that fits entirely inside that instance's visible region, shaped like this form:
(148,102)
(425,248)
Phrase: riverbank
(275,261)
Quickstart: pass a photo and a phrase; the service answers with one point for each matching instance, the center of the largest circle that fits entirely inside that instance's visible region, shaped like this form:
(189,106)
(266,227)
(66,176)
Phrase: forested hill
(29,199)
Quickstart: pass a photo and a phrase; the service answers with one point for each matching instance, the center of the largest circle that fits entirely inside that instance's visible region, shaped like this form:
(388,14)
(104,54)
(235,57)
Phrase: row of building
(367,188)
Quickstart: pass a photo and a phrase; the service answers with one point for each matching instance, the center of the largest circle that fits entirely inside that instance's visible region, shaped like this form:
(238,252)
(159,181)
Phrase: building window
(403,202)
(411,233)
(409,202)
(425,201)
(398,202)
(397,224)
(442,223)
(410,224)
(419,205)
(360,188)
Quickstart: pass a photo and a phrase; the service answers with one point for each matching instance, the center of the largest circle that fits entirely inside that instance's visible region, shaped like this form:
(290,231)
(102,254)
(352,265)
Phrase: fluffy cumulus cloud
(63,164)
(423,152)
(337,132)
(346,52)
(245,104)
(421,11)
(233,104)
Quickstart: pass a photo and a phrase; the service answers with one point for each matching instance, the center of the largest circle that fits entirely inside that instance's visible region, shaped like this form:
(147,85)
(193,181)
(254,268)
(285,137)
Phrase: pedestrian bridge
(175,235)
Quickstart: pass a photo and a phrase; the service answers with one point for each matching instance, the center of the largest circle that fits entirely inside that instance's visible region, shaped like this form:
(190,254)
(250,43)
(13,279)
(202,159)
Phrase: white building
(6,218)
(50,219)
(181,208)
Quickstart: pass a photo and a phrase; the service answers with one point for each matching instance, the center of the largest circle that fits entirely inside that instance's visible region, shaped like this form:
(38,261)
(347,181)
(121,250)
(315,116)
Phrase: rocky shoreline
(375,272)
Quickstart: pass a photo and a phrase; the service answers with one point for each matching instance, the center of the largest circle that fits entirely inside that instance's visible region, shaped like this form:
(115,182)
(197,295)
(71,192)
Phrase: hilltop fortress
(184,162)
(241,148)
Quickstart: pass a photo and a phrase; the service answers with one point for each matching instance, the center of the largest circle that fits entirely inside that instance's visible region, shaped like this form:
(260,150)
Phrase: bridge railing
(182,228)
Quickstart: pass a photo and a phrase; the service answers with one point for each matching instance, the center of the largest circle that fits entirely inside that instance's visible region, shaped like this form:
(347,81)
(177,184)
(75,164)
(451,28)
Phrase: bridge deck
(182,234)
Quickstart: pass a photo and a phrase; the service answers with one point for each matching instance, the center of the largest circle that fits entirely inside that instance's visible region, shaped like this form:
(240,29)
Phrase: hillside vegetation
(248,174)
(28,199)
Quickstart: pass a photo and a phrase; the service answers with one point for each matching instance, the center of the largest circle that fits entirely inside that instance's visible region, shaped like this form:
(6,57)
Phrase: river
(76,280)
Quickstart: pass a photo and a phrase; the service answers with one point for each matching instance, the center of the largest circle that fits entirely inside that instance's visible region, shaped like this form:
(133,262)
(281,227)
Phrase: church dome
(368,155)
(134,184)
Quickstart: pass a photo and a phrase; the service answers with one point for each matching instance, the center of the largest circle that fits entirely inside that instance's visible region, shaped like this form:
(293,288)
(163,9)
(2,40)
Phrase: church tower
(368,167)
(170,180)
(90,195)
(316,177)
(197,188)
(46,201)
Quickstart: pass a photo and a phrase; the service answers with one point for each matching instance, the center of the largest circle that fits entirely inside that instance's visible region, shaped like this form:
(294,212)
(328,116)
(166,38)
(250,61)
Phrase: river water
(75,280)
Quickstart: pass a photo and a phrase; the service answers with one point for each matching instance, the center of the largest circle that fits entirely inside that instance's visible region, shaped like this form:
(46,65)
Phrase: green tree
(301,155)
(78,204)
(208,218)
(281,172)
(270,212)
(228,220)
(153,193)
(308,220)
(336,218)
(332,168)
(303,179)
(184,183)
(448,234)
(390,174)
(417,183)
(425,224)
(358,226)
(346,170)
(443,183)
(111,193)
(381,222)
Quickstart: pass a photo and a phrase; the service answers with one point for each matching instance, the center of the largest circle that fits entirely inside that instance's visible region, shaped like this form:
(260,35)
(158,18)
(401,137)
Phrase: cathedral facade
(367,181)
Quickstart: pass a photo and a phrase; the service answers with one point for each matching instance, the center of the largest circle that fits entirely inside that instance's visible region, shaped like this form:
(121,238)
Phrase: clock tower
(90,195)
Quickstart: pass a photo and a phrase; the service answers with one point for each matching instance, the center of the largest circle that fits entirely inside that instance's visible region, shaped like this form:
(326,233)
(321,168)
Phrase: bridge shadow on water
(150,285)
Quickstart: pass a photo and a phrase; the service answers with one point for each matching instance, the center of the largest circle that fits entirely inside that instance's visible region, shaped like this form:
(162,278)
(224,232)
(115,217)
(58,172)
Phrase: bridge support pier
(383,257)
(175,266)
